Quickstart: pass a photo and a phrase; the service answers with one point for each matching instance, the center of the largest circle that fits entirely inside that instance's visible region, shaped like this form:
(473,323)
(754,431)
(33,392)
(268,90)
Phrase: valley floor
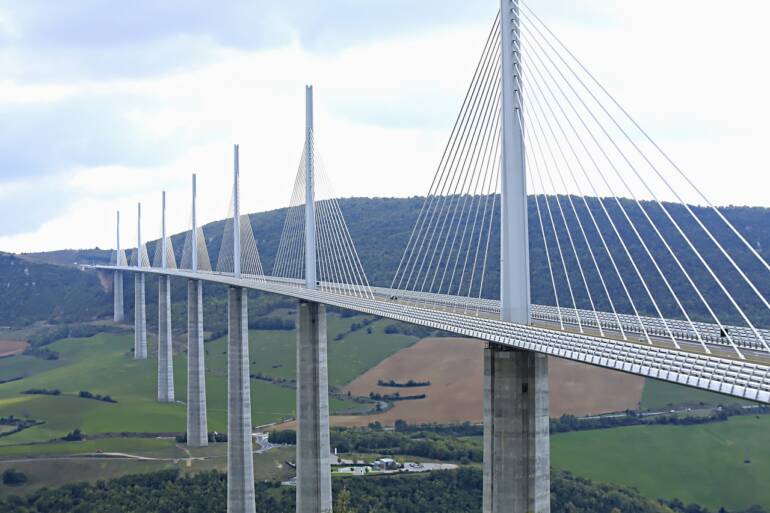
(719,464)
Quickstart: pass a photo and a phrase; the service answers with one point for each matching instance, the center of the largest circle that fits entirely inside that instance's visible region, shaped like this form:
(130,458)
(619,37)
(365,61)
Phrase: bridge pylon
(165,353)
(117,283)
(240,460)
(516,420)
(314,482)
(140,308)
(197,423)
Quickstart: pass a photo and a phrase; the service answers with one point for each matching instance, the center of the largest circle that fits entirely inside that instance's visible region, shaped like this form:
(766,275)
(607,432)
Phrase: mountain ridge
(392,219)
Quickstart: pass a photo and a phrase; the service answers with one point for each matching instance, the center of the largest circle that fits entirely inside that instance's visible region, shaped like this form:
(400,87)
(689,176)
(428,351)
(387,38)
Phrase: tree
(342,504)
(74,436)
(13,477)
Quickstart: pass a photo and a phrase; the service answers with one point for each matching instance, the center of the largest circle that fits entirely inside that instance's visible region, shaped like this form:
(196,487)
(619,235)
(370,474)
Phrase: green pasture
(662,395)
(103,364)
(722,464)
(45,471)
(274,353)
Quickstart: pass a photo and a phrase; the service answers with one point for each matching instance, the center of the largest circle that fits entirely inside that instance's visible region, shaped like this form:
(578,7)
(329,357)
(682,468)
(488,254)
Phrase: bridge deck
(723,373)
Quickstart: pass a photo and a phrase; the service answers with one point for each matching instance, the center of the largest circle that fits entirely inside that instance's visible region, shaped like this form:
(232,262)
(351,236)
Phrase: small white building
(386,464)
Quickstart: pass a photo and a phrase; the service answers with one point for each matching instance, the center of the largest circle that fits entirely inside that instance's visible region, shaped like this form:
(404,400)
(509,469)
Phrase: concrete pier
(140,318)
(197,425)
(516,429)
(117,287)
(240,463)
(165,358)
(314,483)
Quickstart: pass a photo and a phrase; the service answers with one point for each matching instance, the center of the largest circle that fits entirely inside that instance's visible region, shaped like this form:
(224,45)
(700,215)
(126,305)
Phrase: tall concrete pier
(314,482)
(516,425)
(140,309)
(197,426)
(165,352)
(165,358)
(140,318)
(117,283)
(117,286)
(516,443)
(240,463)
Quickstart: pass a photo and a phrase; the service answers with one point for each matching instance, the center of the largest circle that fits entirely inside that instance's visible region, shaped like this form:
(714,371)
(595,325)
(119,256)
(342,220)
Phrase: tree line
(36,291)
(456,491)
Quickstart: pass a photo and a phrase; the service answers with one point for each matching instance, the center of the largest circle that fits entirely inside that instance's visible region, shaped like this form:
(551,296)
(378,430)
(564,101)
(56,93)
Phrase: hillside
(391,219)
(33,291)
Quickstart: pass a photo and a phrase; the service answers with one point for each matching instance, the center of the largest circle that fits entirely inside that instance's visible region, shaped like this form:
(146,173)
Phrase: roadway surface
(720,371)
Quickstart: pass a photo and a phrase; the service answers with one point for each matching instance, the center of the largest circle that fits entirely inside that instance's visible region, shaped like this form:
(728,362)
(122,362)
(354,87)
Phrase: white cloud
(384,108)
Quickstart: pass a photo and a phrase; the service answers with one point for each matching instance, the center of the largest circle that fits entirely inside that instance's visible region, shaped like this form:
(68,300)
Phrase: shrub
(74,436)
(13,477)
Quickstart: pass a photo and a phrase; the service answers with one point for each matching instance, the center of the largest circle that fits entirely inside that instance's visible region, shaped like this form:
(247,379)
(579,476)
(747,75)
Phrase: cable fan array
(607,214)
(157,259)
(145,259)
(338,267)
(250,262)
(202,252)
(453,240)
(119,257)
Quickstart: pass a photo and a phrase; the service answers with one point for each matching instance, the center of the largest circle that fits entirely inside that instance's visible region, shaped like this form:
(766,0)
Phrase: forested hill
(452,491)
(31,291)
(380,228)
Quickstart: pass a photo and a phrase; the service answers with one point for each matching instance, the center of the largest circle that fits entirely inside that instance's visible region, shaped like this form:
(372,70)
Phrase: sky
(105,104)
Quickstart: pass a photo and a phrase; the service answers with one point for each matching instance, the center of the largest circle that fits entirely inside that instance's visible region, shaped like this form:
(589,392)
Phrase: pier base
(197,425)
(140,319)
(165,356)
(516,432)
(314,484)
(118,314)
(240,462)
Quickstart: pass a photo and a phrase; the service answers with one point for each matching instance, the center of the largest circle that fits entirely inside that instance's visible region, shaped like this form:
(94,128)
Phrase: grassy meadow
(103,364)
(68,467)
(722,464)
(659,395)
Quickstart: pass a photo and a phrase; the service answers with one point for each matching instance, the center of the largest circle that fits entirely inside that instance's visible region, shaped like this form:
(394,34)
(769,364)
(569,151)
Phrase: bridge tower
(140,310)
(165,353)
(240,460)
(516,423)
(314,486)
(117,283)
(197,424)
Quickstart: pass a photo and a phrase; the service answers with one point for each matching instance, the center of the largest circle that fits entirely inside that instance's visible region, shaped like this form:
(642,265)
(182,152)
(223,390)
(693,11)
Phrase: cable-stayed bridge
(633,283)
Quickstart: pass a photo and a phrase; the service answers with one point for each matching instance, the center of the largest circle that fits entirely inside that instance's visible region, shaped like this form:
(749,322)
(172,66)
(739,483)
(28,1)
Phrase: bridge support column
(314,483)
(240,463)
(117,287)
(140,319)
(516,430)
(165,357)
(197,426)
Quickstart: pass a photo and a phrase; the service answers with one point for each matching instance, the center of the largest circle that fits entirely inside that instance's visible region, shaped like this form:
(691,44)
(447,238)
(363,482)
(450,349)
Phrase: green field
(662,394)
(274,353)
(705,464)
(103,365)
(150,447)
(44,471)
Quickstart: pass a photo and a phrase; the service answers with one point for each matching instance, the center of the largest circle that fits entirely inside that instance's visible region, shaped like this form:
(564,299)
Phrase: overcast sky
(103,103)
